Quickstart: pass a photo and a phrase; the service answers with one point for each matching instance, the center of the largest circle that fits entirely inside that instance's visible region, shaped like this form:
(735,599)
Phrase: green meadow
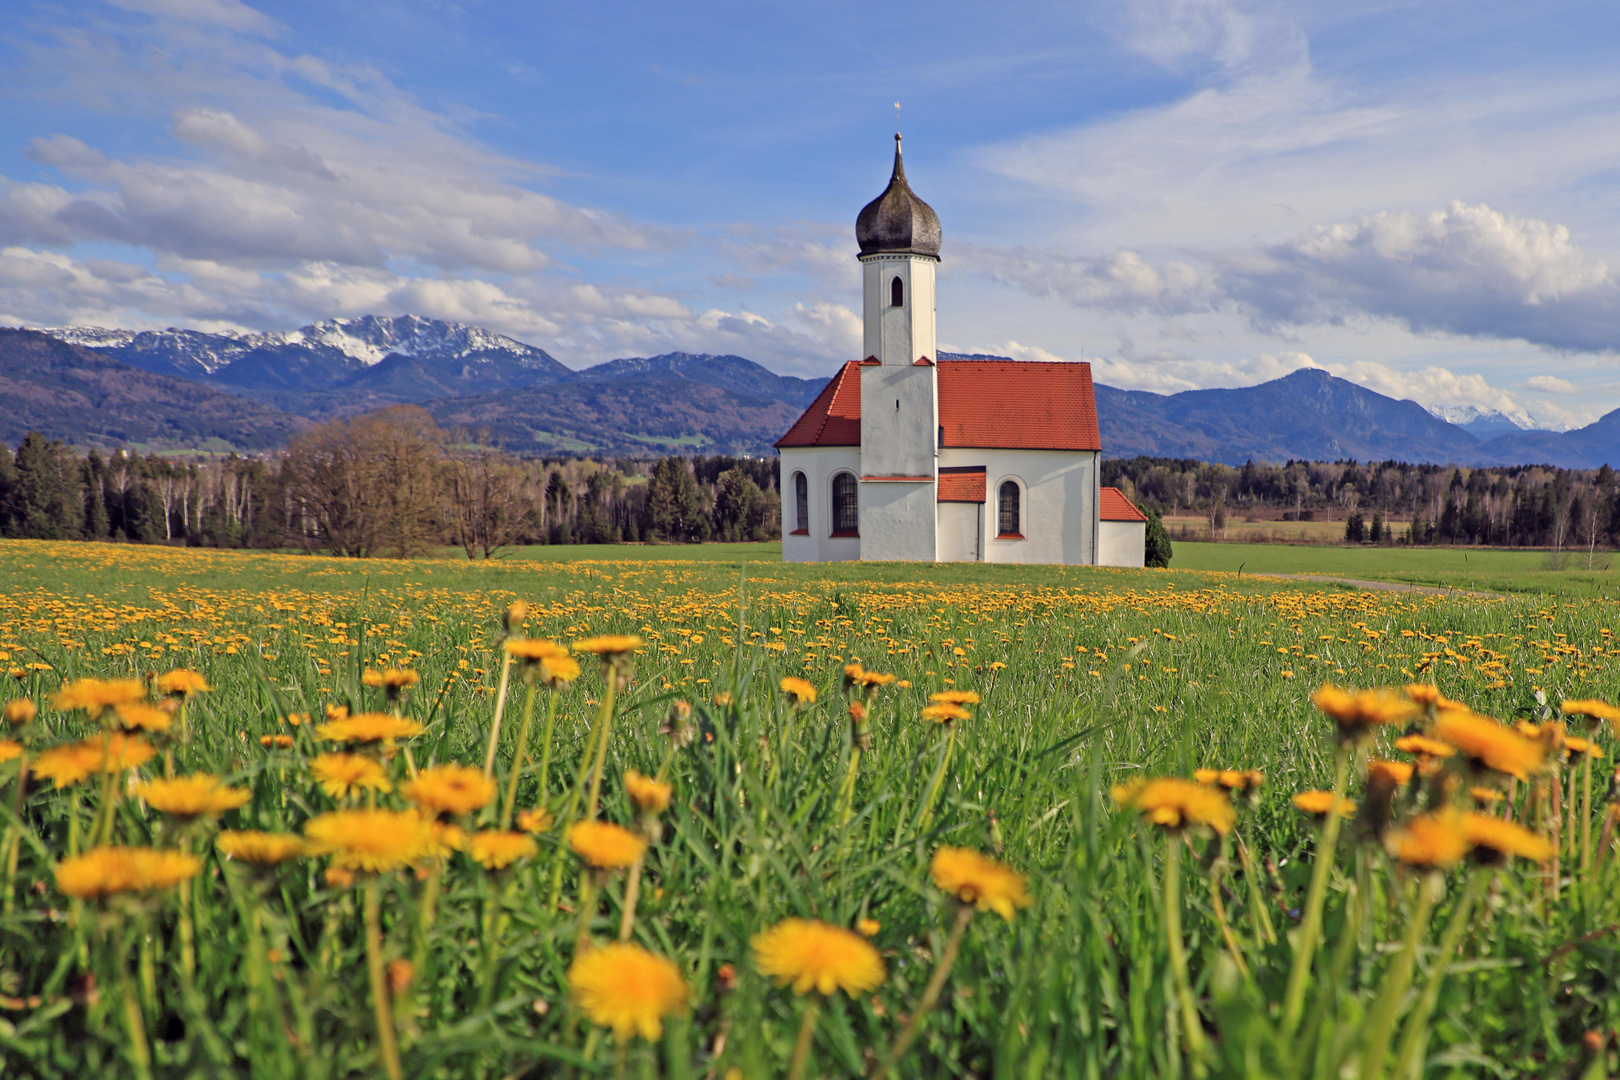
(1176,932)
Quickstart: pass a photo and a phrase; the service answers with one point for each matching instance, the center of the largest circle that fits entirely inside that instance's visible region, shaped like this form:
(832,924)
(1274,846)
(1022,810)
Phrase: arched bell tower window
(801,503)
(1009,518)
(846,511)
(897,293)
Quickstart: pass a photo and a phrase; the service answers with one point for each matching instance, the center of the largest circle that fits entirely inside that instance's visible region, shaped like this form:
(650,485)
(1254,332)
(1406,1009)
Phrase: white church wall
(1059,489)
(961,532)
(898,335)
(1122,543)
(897,521)
(819,465)
(899,420)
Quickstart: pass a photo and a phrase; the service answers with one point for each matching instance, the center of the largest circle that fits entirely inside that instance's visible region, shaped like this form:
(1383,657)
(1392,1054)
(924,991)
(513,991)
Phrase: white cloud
(230,14)
(1551,384)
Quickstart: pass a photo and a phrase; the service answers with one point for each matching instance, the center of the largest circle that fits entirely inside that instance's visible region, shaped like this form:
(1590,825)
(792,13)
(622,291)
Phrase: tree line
(389,483)
(1507,506)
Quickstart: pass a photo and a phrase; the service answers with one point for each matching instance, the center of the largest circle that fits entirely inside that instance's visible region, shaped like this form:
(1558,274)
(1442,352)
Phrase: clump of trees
(1517,506)
(389,483)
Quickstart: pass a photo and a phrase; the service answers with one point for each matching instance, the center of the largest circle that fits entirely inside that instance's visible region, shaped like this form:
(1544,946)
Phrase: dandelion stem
(1586,809)
(140,1055)
(604,721)
(1311,929)
(386,1048)
(632,892)
(1380,1024)
(546,740)
(510,805)
(927,816)
(1178,954)
(587,908)
(807,1033)
(1415,1035)
(936,983)
(1263,931)
(1219,905)
(500,708)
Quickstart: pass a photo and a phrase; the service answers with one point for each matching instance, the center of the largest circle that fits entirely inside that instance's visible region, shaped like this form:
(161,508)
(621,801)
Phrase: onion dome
(897,221)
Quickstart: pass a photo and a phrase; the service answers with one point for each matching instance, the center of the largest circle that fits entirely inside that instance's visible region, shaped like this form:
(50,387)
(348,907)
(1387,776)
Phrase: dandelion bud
(515,616)
(400,974)
(677,726)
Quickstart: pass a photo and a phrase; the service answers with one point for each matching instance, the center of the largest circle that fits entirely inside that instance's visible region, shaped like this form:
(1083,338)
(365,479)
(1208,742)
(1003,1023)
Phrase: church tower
(899,241)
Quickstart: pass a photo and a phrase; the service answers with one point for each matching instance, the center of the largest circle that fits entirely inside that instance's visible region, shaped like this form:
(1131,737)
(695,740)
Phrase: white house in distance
(904,456)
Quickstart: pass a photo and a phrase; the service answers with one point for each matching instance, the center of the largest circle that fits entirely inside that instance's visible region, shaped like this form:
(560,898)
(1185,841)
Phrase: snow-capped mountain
(402,357)
(1489,424)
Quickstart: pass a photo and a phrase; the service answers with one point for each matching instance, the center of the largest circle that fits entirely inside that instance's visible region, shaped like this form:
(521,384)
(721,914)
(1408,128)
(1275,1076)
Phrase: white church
(905,456)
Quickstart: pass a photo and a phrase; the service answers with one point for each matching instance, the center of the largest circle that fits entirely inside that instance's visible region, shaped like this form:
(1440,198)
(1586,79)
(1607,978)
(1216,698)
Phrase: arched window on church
(897,293)
(1009,517)
(846,511)
(801,503)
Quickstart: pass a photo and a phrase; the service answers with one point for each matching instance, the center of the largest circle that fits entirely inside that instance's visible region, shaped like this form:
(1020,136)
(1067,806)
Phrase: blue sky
(1421,197)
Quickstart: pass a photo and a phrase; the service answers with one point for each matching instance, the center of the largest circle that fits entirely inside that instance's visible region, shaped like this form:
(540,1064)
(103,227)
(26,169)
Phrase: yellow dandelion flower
(1356,714)
(191,796)
(856,675)
(1496,840)
(1239,781)
(1429,841)
(368,727)
(627,989)
(371,840)
(954,697)
(339,774)
(496,849)
(181,682)
(945,713)
(533,650)
(260,848)
(1398,773)
(451,790)
(1173,803)
(609,647)
(1320,802)
(812,955)
(867,927)
(394,679)
(64,765)
(1423,746)
(557,671)
(537,820)
(980,880)
(1485,796)
(1591,708)
(137,715)
(800,690)
(10,750)
(20,711)
(649,796)
(604,845)
(1489,744)
(104,871)
(276,742)
(1576,745)
(445,839)
(94,696)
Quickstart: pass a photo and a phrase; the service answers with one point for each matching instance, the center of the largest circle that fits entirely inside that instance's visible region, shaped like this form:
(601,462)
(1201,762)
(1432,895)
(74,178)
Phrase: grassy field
(1489,569)
(1237,529)
(1274,947)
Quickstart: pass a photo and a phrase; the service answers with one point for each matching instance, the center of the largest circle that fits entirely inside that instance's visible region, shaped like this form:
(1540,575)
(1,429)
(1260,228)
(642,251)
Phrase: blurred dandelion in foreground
(191,796)
(340,774)
(1320,803)
(260,848)
(812,955)
(496,849)
(374,841)
(627,989)
(799,691)
(1173,803)
(450,790)
(979,880)
(104,871)
(605,846)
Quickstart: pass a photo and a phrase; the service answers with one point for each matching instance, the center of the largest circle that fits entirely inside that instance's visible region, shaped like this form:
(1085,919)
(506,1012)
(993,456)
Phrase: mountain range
(189,388)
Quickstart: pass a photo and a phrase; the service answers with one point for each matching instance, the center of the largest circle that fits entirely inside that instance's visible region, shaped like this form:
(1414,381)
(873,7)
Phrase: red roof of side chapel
(983,404)
(1116,507)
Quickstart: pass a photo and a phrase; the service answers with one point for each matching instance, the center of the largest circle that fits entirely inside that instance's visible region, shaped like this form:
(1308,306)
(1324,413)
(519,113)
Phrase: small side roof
(1114,506)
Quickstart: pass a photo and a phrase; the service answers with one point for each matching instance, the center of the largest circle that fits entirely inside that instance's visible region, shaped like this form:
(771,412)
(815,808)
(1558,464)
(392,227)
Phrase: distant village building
(906,456)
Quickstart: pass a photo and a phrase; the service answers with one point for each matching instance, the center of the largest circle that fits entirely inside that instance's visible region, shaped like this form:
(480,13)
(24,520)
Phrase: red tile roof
(961,483)
(1116,507)
(983,404)
(834,418)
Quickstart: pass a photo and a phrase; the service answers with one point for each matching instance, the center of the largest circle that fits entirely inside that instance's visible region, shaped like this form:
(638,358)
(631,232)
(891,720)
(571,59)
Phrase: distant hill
(78,395)
(677,402)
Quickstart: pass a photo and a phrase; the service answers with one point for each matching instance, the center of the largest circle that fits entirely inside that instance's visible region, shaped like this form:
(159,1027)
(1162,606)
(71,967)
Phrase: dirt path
(1390,586)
